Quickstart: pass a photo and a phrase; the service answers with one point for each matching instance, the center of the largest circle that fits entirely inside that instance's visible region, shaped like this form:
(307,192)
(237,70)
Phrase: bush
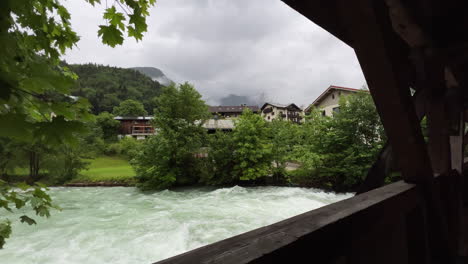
(130,147)
(113,149)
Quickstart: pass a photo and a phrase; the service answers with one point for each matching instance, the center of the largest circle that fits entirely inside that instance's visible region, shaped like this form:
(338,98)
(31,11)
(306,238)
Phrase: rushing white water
(123,225)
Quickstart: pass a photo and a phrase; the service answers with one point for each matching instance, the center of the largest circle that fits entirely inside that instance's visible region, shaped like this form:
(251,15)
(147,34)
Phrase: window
(324,113)
(333,96)
(272,113)
(268,117)
(336,109)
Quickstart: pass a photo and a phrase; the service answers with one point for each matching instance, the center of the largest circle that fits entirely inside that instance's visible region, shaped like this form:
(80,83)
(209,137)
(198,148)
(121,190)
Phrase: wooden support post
(384,164)
(381,54)
(456,214)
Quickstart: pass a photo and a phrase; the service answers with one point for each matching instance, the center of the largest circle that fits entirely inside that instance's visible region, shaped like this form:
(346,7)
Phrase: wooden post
(382,53)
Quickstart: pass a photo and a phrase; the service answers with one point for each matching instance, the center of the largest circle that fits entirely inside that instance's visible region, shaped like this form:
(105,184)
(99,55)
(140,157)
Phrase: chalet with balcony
(291,112)
(227,112)
(138,127)
(328,101)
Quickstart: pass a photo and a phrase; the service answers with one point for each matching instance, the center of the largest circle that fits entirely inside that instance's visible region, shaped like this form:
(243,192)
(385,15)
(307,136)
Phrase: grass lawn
(107,169)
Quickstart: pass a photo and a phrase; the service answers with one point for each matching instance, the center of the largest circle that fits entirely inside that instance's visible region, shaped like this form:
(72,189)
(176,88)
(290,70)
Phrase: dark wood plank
(319,11)
(384,164)
(381,53)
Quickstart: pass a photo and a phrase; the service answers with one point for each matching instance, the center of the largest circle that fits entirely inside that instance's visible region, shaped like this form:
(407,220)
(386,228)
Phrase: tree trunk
(33,167)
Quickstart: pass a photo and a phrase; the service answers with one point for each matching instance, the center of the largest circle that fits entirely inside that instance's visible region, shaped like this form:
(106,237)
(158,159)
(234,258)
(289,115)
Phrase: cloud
(242,47)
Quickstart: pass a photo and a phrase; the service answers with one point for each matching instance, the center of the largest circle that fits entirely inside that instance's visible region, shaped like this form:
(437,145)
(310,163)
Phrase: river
(123,225)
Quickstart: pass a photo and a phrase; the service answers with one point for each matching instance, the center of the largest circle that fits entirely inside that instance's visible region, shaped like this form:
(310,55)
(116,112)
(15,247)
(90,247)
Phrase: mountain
(155,74)
(233,99)
(105,86)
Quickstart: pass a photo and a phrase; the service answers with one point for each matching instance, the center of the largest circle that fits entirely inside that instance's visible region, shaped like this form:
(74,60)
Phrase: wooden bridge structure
(414,55)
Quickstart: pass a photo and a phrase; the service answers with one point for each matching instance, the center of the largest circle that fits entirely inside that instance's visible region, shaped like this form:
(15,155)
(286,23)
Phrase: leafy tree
(338,151)
(9,158)
(220,161)
(65,163)
(105,87)
(252,148)
(170,157)
(130,108)
(109,126)
(34,98)
(284,136)
(130,147)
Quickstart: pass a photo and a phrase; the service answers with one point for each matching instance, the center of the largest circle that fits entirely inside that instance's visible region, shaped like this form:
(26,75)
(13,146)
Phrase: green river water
(123,225)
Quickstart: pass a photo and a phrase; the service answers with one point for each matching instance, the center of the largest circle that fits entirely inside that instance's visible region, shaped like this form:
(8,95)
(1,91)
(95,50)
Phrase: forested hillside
(105,86)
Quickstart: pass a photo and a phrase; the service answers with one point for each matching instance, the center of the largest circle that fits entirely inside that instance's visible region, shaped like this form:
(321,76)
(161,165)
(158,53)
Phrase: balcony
(142,130)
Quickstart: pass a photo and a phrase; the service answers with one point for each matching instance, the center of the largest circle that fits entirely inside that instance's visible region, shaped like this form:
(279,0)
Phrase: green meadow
(107,169)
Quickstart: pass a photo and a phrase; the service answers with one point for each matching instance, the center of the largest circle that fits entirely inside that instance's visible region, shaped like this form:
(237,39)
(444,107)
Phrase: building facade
(329,101)
(138,127)
(227,112)
(291,112)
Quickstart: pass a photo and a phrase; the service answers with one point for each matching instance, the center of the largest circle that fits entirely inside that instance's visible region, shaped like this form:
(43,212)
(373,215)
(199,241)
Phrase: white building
(291,112)
(328,101)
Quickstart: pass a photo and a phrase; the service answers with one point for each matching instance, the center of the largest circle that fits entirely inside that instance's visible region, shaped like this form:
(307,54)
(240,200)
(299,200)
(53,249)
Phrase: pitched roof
(330,89)
(279,105)
(133,117)
(232,109)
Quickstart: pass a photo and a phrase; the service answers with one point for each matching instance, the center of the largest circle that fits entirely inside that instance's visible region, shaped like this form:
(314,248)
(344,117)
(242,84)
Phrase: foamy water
(122,225)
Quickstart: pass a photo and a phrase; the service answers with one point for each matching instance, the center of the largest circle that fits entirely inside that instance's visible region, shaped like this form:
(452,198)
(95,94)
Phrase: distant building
(291,112)
(138,127)
(328,101)
(213,125)
(231,111)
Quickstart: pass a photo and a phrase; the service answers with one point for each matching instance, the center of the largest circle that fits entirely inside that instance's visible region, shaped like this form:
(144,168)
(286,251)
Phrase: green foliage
(66,163)
(169,158)
(337,152)
(29,196)
(127,147)
(130,147)
(105,87)
(34,95)
(284,136)
(253,151)
(9,158)
(130,108)
(108,125)
(179,104)
(220,162)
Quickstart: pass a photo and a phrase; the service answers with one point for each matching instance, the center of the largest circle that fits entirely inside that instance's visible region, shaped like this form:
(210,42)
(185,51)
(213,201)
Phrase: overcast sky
(242,47)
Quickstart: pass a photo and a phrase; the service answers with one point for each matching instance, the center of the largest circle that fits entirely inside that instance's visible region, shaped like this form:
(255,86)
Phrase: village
(223,117)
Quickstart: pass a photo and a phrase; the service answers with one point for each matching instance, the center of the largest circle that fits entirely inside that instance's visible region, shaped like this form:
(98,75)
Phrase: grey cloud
(242,47)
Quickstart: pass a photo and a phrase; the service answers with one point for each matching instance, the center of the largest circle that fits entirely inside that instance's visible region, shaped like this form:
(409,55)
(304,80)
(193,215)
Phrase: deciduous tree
(130,108)
(170,157)
(253,154)
(35,88)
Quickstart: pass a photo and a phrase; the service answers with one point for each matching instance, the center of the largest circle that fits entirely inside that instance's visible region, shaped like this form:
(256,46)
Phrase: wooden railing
(142,130)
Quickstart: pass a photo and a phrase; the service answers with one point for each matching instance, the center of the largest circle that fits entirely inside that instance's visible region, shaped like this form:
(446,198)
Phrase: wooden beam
(384,163)
(319,11)
(381,53)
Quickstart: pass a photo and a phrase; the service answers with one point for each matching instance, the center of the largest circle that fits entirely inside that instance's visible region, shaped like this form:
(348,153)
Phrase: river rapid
(124,226)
